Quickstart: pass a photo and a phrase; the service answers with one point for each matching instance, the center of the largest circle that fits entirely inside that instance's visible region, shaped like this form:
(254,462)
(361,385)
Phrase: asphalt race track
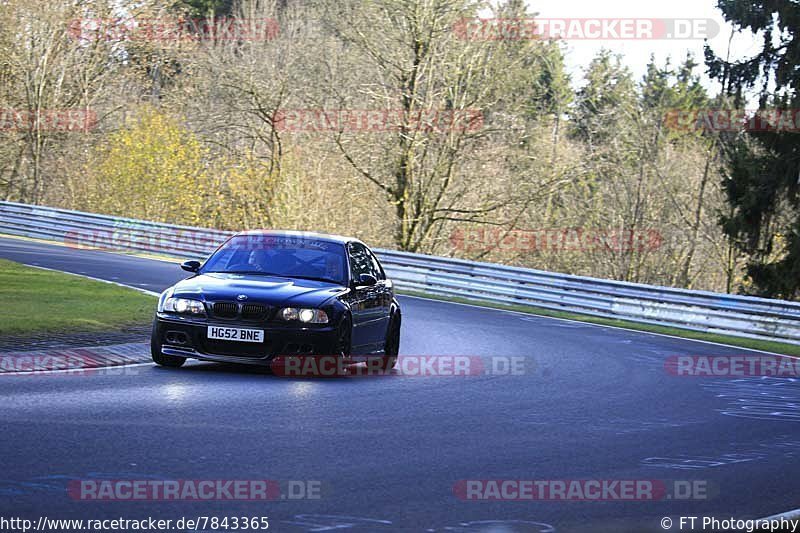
(593,403)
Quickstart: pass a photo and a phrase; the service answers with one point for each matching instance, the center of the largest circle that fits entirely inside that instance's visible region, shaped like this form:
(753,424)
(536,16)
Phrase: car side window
(360,261)
(376,266)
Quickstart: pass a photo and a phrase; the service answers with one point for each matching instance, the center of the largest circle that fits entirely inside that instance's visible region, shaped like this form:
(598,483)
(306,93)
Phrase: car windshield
(289,256)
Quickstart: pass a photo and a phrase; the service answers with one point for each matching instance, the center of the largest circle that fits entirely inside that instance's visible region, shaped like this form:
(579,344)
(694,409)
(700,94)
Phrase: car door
(385,296)
(365,304)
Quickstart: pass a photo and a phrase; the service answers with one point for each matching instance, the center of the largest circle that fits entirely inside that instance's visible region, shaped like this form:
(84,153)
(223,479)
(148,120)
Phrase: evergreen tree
(763,167)
(607,100)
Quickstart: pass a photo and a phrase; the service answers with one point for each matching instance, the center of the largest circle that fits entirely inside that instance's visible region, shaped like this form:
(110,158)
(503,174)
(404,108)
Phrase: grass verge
(42,301)
(754,344)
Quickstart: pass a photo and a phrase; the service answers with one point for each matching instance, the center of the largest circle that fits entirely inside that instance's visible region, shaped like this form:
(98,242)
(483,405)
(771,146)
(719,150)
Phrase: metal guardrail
(740,316)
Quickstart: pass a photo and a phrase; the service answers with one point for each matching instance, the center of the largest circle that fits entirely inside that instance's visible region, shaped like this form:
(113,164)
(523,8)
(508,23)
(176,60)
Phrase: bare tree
(408,59)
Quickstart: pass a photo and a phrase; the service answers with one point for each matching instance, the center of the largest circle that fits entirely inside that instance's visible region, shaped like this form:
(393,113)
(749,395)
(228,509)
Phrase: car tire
(162,359)
(391,347)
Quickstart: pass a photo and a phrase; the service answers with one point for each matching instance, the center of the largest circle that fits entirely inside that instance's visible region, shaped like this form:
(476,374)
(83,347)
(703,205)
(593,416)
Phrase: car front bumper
(188,337)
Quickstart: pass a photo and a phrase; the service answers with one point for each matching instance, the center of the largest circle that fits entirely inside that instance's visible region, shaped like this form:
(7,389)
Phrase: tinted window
(360,261)
(280,256)
(376,266)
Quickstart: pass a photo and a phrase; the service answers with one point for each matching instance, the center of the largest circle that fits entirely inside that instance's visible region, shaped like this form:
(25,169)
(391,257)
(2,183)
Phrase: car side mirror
(367,280)
(191,266)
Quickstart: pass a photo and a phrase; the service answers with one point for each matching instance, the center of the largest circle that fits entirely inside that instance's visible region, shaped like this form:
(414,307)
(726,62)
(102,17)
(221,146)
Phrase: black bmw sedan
(265,294)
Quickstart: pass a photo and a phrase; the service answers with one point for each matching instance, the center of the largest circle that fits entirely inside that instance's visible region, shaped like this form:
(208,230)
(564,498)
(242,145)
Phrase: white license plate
(235,334)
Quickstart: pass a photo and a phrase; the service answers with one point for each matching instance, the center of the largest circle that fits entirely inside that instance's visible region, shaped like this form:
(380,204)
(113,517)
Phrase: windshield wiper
(274,275)
(254,272)
(312,278)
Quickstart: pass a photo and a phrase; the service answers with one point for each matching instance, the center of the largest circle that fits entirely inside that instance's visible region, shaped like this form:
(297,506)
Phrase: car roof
(310,235)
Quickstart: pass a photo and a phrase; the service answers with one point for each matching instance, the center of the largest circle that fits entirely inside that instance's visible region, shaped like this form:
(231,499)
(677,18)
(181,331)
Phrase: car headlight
(184,306)
(307,316)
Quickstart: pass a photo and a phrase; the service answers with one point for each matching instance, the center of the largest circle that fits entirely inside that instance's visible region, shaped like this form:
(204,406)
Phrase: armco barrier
(735,315)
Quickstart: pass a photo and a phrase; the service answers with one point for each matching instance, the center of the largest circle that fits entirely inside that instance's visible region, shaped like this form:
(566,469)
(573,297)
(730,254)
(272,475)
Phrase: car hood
(276,291)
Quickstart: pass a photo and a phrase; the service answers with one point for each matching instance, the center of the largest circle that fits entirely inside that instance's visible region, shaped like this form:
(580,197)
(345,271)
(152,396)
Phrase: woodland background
(188,131)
